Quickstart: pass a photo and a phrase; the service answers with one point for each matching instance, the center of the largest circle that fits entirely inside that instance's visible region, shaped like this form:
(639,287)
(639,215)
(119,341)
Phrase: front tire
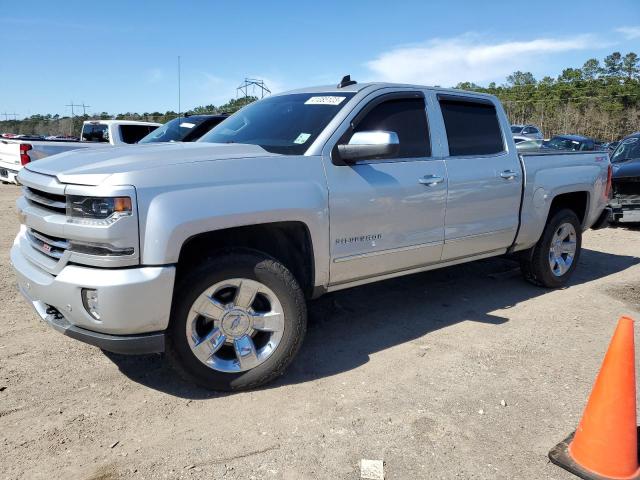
(237,321)
(554,258)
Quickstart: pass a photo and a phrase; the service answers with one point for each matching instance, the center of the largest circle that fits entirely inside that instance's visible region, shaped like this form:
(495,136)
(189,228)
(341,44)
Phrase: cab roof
(372,86)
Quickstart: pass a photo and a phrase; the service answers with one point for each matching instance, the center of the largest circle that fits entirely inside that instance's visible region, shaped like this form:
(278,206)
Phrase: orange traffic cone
(605,445)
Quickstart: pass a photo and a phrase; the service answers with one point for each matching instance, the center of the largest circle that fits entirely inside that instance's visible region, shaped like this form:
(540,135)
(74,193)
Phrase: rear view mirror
(370,145)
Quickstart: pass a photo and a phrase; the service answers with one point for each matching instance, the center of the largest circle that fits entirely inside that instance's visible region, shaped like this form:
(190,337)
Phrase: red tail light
(607,190)
(24,156)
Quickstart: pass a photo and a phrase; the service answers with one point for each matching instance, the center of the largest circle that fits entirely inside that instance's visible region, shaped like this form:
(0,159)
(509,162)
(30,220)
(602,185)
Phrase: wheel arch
(289,242)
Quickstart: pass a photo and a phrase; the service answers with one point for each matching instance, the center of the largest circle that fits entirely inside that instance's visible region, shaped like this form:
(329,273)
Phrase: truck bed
(548,174)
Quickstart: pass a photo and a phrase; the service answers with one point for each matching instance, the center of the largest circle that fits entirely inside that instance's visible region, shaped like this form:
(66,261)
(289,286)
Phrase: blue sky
(120,56)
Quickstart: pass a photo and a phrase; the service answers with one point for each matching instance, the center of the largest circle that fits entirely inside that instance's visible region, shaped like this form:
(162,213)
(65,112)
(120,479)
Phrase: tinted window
(203,128)
(407,118)
(286,124)
(516,129)
(472,128)
(133,133)
(183,129)
(95,132)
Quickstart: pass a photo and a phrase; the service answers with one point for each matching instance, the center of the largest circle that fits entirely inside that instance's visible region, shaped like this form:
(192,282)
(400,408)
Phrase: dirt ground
(466,372)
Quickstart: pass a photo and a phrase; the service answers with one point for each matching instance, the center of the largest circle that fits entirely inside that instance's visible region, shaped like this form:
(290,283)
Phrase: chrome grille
(51,201)
(53,247)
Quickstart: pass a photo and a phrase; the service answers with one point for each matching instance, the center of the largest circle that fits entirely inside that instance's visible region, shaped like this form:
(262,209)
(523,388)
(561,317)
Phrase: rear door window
(472,127)
(133,133)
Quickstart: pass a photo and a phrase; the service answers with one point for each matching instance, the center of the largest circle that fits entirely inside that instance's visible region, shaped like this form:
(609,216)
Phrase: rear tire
(554,258)
(254,325)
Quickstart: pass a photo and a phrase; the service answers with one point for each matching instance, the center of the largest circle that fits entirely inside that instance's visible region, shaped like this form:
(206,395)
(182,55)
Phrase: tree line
(599,99)
(64,125)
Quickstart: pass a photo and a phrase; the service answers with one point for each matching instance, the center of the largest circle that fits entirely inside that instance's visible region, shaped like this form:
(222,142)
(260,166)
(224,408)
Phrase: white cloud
(155,75)
(630,33)
(447,61)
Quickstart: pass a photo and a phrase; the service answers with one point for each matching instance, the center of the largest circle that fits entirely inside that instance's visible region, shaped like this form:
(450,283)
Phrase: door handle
(509,174)
(430,180)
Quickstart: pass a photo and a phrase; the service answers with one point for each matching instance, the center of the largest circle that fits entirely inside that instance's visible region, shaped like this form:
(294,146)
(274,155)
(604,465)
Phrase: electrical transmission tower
(84,113)
(7,115)
(84,108)
(251,85)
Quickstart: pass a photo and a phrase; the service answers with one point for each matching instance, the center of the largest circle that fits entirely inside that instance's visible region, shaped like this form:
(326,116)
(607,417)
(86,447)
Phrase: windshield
(172,131)
(627,150)
(561,143)
(516,128)
(285,124)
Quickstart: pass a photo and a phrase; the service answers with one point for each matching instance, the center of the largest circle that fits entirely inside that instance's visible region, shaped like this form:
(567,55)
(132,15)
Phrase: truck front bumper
(134,304)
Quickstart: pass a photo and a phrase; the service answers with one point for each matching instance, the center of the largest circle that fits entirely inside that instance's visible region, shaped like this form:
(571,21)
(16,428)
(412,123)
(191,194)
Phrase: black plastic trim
(124,344)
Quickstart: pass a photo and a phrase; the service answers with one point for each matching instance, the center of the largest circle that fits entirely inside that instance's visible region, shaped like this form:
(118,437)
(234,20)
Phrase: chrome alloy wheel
(235,325)
(563,249)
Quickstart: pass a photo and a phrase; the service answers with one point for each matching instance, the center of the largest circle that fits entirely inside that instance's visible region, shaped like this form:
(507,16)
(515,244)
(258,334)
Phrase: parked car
(184,129)
(626,180)
(208,250)
(529,145)
(611,146)
(17,152)
(575,143)
(529,131)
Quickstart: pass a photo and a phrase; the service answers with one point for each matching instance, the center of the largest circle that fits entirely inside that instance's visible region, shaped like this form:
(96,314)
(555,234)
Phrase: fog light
(90,302)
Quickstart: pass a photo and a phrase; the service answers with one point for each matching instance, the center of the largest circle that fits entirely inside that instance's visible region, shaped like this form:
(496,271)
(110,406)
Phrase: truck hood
(625,170)
(93,167)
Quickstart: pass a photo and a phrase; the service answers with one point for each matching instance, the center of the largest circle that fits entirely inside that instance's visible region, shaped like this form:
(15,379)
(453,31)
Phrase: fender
(266,190)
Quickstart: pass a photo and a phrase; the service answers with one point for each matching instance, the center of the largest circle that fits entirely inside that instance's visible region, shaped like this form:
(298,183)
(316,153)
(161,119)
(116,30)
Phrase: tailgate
(10,154)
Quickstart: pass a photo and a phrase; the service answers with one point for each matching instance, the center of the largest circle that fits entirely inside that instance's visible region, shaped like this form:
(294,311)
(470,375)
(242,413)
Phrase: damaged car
(625,160)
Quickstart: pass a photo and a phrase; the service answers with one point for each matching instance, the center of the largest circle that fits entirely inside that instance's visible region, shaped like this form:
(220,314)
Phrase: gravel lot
(466,372)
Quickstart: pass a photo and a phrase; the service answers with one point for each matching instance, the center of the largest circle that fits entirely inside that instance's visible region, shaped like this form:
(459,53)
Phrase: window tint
(95,132)
(133,133)
(472,128)
(406,117)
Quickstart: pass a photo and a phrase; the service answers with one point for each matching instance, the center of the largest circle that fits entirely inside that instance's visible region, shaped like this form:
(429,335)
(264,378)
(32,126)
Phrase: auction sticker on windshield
(303,137)
(327,100)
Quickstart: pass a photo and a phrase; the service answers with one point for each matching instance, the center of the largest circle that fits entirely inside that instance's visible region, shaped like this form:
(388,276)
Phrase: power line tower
(84,112)
(84,107)
(251,85)
(7,115)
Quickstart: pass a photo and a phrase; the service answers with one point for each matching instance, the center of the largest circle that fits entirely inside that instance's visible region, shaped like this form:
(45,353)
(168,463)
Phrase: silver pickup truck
(207,251)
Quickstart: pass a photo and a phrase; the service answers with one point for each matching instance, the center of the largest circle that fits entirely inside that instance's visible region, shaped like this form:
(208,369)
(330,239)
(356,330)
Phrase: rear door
(386,215)
(485,179)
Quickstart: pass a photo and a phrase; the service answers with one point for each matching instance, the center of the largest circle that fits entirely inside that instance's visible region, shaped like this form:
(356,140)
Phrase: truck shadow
(346,327)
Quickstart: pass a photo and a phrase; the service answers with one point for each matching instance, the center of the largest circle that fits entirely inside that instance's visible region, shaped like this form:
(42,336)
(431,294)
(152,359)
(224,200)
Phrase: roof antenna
(346,81)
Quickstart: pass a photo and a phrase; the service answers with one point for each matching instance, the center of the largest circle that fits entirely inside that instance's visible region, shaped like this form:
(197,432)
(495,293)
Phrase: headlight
(99,210)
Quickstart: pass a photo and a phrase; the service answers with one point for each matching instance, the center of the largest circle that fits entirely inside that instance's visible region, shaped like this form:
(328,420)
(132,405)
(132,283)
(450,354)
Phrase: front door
(387,215)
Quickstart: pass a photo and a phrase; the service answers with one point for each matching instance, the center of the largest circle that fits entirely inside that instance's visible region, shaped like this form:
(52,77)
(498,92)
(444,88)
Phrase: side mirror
(370,145)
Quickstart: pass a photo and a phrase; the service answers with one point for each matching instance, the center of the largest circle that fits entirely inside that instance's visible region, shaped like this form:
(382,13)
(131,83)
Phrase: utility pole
(179,106)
